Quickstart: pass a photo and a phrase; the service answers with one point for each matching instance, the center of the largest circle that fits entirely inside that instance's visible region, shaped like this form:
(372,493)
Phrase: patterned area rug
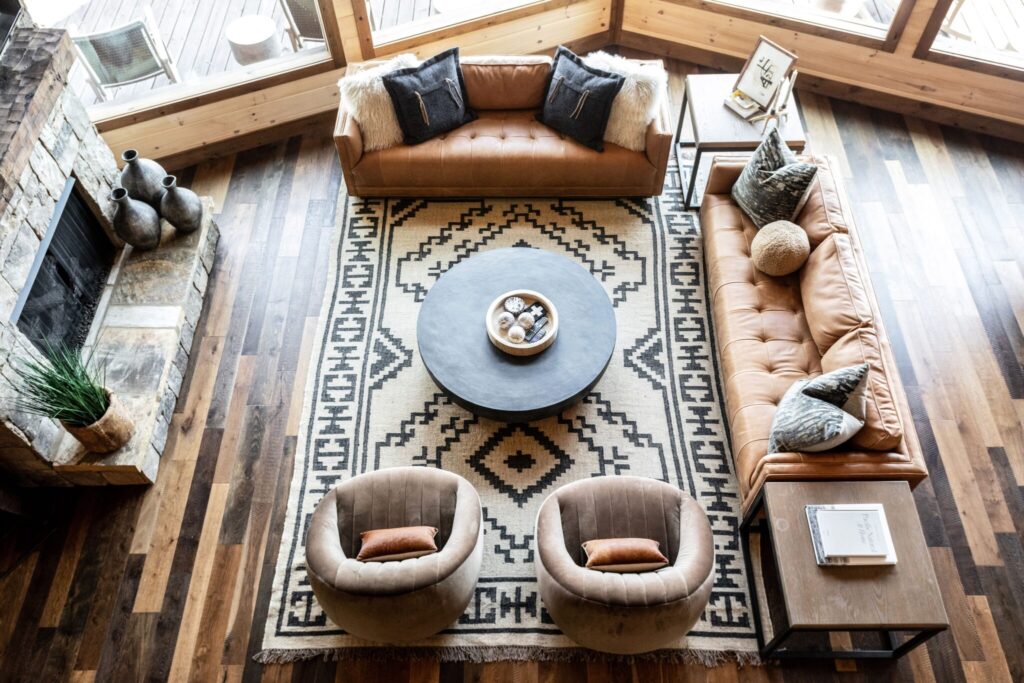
(657,411)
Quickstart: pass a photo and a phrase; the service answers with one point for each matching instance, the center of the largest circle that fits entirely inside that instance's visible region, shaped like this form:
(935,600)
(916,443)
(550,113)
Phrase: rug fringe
(708,658)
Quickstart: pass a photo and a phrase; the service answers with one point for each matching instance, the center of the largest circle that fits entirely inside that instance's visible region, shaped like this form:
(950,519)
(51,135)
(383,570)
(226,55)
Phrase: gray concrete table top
(486,381)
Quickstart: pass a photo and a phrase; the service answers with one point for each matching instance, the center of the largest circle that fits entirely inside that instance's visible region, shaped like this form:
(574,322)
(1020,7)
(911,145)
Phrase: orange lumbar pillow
(624,555)
(400,543)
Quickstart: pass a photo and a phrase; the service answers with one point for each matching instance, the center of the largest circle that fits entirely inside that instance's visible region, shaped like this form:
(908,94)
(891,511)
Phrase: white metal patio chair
(303,19)
(124,55)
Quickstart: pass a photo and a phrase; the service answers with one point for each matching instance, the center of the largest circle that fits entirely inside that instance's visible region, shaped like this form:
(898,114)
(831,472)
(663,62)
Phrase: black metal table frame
(698,150)
(773,649)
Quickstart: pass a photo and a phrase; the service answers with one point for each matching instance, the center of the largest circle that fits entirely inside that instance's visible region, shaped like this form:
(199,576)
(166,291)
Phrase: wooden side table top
(717,126)
(905,596)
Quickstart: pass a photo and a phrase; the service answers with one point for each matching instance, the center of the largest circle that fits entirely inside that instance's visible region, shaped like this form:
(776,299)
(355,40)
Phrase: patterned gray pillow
(821,413)
(773,185)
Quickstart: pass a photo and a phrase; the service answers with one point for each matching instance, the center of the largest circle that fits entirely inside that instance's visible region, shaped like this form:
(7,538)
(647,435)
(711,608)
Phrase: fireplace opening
(58,303)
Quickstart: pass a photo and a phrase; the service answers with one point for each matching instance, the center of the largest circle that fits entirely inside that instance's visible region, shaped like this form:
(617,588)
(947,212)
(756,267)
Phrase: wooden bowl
(497,335)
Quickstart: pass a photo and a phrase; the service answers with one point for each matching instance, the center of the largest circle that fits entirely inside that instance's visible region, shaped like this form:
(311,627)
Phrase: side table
(253,38)
(797,598)
(716,128)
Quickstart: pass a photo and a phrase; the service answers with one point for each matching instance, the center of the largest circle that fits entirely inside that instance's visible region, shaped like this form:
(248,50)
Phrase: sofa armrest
(659,143)
(349,141)
(906,464)
(725,170)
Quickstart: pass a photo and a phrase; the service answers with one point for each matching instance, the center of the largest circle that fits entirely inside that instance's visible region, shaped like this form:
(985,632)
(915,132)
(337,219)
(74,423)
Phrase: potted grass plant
(62,386)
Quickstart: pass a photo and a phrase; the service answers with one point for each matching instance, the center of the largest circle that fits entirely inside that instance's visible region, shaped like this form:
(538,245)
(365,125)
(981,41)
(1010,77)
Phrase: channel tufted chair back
(606,508)
(624,613)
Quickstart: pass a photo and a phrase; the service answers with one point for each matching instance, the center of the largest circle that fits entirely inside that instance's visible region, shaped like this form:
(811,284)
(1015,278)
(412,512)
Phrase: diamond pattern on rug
(520,475)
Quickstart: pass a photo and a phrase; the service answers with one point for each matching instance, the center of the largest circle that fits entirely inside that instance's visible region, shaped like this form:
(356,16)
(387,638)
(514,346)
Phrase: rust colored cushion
(624,555)
(400,543)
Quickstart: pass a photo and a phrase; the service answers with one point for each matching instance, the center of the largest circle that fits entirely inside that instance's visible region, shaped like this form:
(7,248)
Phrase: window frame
(401,41)
(926,50)
(112,115)
(886,43)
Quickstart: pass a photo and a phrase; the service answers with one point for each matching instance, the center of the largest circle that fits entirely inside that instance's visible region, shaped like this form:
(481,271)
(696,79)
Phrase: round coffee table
(465,364)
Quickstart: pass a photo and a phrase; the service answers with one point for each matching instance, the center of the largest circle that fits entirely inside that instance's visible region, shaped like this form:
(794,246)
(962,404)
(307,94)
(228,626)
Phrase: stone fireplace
(67,279)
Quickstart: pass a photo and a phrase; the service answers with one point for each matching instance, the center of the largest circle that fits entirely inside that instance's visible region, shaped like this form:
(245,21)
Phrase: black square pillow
(579,99)
(429,99)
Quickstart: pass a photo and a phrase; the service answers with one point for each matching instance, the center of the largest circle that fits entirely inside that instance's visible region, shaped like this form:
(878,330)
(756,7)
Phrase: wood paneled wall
(189,136)
(896,74)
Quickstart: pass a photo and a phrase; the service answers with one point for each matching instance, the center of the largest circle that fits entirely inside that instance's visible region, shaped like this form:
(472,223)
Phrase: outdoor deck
(387,13)
(193,30)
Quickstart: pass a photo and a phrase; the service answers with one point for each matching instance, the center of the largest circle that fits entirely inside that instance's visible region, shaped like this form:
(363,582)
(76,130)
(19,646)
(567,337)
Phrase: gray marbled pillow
(821,413)
(774,184)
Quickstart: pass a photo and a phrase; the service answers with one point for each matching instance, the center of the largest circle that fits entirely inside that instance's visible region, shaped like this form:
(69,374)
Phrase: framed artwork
(765,71)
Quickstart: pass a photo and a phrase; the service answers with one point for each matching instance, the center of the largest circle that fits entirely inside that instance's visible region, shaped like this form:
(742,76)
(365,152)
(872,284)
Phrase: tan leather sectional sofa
(771,331)
(506,151)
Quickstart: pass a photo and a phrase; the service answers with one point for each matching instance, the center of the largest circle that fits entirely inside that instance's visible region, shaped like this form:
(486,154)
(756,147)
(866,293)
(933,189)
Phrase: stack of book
(742,105)
(850,534)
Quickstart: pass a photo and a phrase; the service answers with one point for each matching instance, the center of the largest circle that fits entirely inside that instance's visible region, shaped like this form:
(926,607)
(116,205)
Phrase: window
(985,30)
(872,23)
(861,16)
(150,51)
(392,20)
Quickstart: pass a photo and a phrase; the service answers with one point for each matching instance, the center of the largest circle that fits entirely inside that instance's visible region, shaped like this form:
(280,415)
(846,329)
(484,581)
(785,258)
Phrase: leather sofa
(772,331)
(624,613)
(506,151)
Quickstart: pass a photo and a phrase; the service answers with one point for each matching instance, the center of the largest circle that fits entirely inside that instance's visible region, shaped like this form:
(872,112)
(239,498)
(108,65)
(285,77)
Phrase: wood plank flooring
(172,582)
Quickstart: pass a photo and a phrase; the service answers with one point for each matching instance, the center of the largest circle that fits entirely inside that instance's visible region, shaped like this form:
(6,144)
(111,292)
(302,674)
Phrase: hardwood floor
(172,583)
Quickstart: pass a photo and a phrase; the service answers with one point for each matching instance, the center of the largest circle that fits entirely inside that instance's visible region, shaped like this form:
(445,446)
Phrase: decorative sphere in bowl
(521,322)
(506,320)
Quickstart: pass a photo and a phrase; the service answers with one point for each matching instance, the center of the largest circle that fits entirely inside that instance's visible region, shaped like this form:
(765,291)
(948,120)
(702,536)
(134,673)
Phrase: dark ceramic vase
(180,206)
(136,222)
(141,177)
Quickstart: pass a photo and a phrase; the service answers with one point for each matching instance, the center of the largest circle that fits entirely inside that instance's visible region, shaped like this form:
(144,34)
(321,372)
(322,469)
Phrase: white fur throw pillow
(365,98)
(637,103)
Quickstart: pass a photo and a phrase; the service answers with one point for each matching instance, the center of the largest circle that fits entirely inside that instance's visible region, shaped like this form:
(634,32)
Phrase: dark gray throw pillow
(774,184)
(429,99)
(821,413)
(579,99)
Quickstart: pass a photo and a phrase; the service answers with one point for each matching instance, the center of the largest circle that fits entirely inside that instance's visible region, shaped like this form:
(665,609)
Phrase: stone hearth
(145,321)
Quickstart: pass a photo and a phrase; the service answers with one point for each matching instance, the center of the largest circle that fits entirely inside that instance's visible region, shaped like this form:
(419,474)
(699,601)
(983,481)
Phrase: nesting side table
(717,129)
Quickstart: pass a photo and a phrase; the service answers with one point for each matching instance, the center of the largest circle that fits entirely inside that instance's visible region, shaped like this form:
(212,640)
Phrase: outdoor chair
(124,55)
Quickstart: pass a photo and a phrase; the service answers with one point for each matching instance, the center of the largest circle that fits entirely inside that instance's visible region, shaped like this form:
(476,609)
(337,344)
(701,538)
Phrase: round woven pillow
(780,248)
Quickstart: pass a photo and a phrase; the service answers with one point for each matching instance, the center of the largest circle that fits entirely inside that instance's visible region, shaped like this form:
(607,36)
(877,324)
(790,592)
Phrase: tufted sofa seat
(772,331)
(506,151)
